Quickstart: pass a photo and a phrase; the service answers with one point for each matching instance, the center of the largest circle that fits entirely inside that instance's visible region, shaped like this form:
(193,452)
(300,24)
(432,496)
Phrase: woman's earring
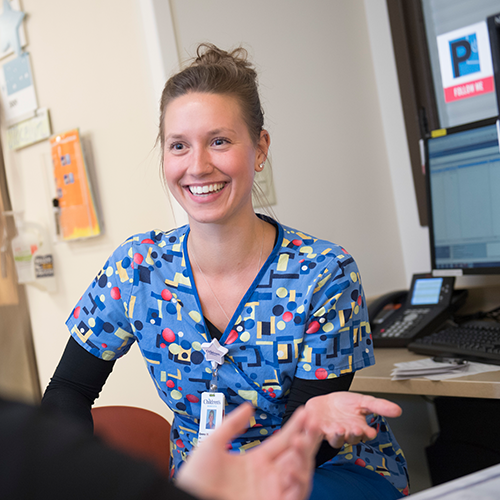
(262,165)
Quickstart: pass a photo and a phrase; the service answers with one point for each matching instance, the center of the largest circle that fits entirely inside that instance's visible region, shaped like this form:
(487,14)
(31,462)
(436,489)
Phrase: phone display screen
(426,291)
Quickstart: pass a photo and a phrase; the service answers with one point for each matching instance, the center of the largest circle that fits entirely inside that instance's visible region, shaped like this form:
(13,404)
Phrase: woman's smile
(206,189)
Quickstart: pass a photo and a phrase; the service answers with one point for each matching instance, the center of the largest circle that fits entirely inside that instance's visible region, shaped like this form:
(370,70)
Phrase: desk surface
(377,378)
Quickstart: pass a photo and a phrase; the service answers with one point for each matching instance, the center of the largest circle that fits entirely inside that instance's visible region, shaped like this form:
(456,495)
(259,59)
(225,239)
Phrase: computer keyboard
(478,342)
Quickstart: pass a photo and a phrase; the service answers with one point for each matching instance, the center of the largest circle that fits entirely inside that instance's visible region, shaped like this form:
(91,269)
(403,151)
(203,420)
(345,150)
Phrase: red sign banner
(469,89)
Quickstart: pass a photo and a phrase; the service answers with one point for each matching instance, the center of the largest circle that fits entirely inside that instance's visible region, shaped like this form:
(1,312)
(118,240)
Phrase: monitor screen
(463,190)
(426,291)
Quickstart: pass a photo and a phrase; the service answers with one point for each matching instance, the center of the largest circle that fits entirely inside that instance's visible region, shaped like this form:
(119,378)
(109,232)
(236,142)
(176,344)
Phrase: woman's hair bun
(209,54)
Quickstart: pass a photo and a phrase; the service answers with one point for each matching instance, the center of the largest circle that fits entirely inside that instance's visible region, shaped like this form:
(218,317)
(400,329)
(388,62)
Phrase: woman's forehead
(219,102)
(198,110)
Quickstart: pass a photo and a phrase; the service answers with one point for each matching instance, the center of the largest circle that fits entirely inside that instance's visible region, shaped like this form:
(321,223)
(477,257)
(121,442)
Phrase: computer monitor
(463,193)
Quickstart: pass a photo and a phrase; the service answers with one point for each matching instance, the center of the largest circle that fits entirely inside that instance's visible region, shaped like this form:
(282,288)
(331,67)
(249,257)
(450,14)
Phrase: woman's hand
(279,469)
(340,416)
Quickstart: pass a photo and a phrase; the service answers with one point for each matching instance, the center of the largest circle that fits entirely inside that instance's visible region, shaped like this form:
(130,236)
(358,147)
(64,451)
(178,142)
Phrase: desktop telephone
(399,317)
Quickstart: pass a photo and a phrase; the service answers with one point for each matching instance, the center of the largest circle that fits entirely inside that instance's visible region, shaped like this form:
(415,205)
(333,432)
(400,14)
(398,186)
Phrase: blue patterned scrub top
(304,316)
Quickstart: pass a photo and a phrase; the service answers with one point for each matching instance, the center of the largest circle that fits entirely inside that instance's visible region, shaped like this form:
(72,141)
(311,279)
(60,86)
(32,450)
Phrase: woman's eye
(177,146)
(220,142)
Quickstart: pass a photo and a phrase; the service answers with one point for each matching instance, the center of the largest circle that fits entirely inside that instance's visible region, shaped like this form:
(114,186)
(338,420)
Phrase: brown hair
(216,71)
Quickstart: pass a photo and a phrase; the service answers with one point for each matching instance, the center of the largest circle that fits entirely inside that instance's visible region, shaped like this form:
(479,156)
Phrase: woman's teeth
(207,189)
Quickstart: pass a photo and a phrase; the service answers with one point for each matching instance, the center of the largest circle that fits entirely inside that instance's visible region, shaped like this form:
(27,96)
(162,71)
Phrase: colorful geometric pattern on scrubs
(304,316)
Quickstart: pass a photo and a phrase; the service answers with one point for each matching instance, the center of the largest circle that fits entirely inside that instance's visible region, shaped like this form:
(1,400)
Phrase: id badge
(212,412)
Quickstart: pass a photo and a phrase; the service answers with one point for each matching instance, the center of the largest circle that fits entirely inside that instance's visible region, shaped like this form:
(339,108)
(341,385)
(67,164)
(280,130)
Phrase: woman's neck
(229,247)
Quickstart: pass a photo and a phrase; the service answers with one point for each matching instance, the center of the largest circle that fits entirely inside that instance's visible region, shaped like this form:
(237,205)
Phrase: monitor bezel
(456,271)
(493,23)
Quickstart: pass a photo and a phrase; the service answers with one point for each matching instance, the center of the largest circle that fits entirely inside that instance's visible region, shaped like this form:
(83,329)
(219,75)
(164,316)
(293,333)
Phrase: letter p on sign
(464,56)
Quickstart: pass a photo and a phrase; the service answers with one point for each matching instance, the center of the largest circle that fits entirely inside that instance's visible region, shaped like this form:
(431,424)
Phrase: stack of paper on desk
(426,368)
(430,369)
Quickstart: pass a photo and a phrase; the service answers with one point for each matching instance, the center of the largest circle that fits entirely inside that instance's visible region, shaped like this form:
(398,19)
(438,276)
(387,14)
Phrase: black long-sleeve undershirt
(76,383)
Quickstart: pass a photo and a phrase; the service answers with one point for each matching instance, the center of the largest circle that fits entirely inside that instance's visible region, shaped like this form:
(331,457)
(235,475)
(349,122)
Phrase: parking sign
(465,61)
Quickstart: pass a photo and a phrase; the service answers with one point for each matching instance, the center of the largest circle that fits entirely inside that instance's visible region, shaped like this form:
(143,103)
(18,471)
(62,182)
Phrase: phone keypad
(403,326)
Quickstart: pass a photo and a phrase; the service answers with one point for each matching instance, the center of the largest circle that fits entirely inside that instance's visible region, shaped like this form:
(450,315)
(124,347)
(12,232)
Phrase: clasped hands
(282,467)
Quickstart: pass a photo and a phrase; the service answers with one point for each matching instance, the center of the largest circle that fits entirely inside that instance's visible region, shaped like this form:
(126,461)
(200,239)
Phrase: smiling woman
(287,308)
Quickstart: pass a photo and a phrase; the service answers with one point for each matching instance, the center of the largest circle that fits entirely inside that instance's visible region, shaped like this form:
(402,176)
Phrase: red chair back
(139,432)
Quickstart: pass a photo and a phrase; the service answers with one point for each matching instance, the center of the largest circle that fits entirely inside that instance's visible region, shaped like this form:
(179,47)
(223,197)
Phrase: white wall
(90,69)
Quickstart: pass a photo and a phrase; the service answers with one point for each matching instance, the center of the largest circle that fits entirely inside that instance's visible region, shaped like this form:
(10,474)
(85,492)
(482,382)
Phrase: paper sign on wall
(18,90)
(465,61)
(29,131)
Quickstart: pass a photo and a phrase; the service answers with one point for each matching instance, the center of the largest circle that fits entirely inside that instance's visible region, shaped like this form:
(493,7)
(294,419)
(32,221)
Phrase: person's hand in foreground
(279,469)
(340,416)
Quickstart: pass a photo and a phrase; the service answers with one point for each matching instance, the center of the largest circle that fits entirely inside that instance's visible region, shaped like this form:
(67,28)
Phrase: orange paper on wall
(78,216)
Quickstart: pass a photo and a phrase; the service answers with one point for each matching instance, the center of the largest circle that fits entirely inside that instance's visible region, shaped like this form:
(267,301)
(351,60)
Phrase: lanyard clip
(214,353)
(215,370)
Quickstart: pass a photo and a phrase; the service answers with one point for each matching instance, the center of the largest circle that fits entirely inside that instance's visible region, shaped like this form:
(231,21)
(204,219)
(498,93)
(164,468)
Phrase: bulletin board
(78,215)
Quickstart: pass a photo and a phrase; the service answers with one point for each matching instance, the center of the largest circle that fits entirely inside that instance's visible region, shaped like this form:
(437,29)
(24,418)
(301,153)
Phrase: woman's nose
(201,162)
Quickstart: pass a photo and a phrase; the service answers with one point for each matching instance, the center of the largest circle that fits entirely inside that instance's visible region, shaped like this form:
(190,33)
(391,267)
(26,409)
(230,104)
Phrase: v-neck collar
(252,287)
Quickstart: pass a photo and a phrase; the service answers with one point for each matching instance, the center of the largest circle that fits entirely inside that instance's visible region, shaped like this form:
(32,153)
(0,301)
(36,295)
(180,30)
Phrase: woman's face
(209,158)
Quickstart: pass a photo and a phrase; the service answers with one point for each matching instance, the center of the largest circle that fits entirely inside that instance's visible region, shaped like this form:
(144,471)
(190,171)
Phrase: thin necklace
(208,284)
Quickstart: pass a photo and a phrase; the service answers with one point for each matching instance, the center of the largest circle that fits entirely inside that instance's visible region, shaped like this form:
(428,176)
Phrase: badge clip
(214,353)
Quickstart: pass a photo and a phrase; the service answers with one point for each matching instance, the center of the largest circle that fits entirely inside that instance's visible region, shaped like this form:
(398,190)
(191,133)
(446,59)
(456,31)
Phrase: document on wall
(17,90)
